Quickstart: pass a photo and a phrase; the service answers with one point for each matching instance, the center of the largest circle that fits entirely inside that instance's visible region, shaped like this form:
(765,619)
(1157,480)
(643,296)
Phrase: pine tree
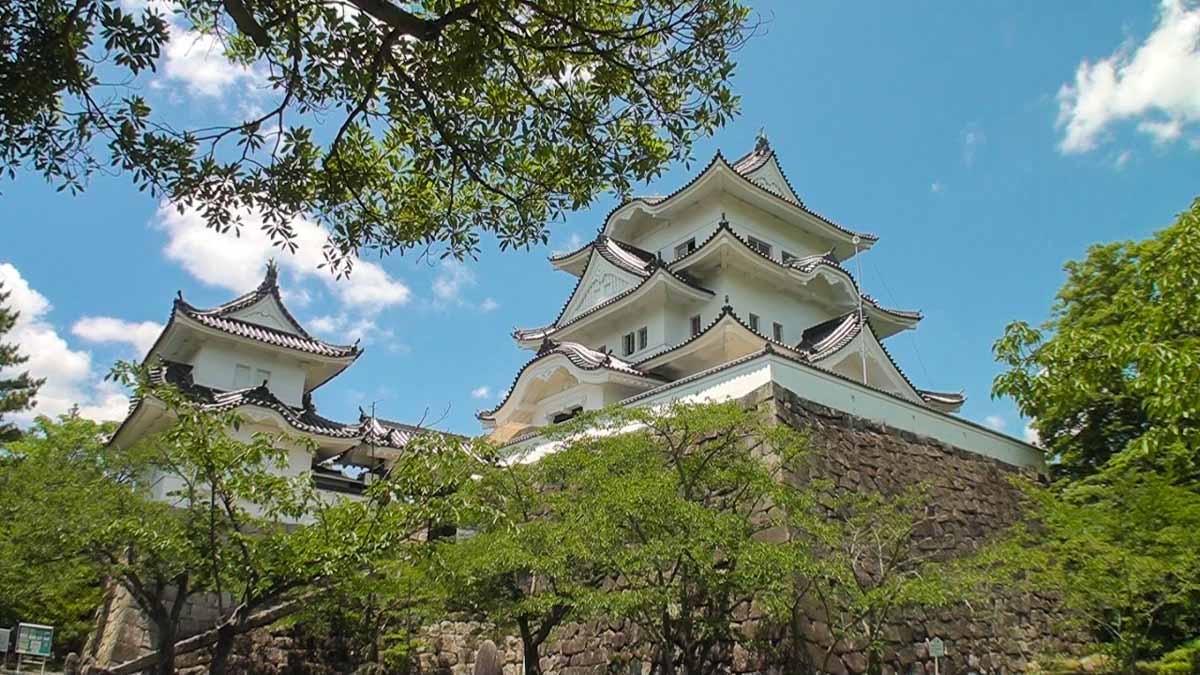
(16,393)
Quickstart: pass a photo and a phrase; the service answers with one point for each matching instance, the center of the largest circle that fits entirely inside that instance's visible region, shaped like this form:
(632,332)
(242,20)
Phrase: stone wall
(972,499)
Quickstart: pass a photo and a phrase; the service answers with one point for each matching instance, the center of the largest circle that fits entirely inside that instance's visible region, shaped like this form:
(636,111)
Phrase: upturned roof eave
(724,234)
(719,164)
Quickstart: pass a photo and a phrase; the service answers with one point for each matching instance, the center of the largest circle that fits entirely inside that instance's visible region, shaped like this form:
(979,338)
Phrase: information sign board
(3,642)
(34,639)
(937,648)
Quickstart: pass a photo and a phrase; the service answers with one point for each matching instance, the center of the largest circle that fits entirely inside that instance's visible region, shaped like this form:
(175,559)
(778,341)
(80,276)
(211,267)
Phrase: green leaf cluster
(1112,379)
(394,125)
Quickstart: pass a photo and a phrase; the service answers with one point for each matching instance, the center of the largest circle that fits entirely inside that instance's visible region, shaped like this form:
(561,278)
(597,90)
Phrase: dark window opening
(754,322)
(696,325)
(628,344)
(566,415)
(777,331)
(685,248)
(760,246)
(643,337)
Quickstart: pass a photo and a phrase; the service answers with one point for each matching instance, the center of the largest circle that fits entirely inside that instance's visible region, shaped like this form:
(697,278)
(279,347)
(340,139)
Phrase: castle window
(787,257)
(242,377)
(643,337)
(565,415)
(754,322)
(261,377)
(628,346)
(696,325)
(777,331)
(685,248)
(760,246)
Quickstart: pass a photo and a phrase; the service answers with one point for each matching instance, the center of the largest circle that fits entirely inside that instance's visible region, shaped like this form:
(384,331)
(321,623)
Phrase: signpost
(33,643)
(936,649)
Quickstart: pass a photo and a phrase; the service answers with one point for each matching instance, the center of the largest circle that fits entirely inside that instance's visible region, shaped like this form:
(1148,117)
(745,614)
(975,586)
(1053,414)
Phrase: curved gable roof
(805,265)
(719,164)
(223,318)
(579,356)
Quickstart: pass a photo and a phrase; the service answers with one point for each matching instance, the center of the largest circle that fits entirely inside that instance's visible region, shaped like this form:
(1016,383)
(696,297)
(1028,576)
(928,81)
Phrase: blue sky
(985,143)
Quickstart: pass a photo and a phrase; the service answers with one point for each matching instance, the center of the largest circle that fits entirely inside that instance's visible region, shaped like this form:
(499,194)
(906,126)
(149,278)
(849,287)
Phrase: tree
(1110,379)
(527,562)
(45,478)
(876,563)
(394,124)
(686,507)
(1123,556)
(250,532)
(16,392)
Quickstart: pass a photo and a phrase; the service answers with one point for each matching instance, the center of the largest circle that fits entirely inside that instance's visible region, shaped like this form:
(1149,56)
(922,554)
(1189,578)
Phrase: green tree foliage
(528,559)
(1111,379)
(238,511)
(48,479)
(878,559)
(1125,559)
(685,507)
(393,124)
(17,391)
(681,520)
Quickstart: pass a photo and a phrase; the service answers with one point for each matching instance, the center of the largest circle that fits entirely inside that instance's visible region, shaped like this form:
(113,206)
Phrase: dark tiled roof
(828,337)
(305,418)
(806,264)
(719,158)
(579,355)
(219,318)
(651,268)
(266,334)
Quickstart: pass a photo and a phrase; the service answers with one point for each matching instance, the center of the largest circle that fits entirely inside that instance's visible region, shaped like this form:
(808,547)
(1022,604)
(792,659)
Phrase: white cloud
(70,378)
(574,242)
(198,61)
(1161,77)
(1122,159)
(995,421)
(489,305)
(481,392)
(1031,435)
(452,279)
(972,139)
(347,328)
(1163,132)
(140,336)
(236,262)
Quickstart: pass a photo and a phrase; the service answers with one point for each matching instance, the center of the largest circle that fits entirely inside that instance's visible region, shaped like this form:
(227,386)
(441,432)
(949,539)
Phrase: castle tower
(251,355)
(727,284)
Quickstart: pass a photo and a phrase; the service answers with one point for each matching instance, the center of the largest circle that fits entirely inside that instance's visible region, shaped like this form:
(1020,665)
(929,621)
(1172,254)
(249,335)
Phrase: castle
(727,284)
(728,288)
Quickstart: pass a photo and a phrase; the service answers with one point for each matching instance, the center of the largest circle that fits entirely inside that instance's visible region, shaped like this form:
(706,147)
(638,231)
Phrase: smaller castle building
(252,355)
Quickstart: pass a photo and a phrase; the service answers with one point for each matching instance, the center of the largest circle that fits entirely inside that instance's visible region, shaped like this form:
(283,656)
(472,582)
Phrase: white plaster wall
(748,295)
(848,397)
(701,219)
(669,324)
(607,332)
(215,363)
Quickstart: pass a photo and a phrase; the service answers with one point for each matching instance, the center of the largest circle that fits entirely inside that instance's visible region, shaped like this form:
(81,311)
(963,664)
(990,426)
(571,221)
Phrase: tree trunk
(529,648)
(164,642)
(222,649)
